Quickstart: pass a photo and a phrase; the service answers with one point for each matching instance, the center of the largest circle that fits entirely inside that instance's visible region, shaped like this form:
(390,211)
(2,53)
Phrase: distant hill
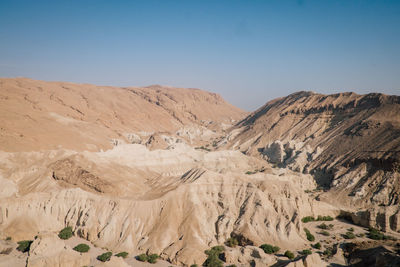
(38,115)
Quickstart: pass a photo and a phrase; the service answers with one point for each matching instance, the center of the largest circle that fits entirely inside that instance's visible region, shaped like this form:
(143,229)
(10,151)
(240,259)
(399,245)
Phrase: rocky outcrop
(183,206)
(350,143)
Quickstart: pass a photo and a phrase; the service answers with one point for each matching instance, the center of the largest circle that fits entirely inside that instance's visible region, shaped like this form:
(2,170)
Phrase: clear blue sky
(248,51)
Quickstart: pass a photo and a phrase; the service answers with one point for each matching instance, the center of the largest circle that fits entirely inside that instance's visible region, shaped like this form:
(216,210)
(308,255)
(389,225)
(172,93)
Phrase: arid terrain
(305,180)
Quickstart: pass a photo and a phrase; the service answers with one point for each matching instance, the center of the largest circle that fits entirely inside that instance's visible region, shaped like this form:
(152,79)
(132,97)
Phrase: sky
(248,51)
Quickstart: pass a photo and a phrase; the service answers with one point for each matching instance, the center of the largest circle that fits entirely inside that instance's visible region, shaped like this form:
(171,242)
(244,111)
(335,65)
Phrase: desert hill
(38,115)
(175,172)
(350,144)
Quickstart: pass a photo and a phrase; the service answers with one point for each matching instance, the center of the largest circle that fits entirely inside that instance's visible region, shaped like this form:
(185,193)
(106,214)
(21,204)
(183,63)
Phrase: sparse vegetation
(82,248)
(317,245)
(375,234)
(310,237)
(325,226)
(328,252)
(24,245)
(65,233)
(289,254)
(306,252)
(360,235)
(104,257)
(142,257)
(251,172)
(194,265)
(8,238)
(269,249)
(232,242)
(123,254)
(324,233)
(349,235)
(152,258)
(318,219)
(232,265)
(324,218)
(350,229)
(213,259)
(308,219)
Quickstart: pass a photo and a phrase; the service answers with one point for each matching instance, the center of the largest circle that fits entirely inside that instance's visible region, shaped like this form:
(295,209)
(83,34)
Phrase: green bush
(325,233)
(328,252)
(269,249)
(350,229)
(349,235)
(152,258)
(375,234)
(104,257)
(213,259)
(122,254)
(24,246)
(324,226)
(306,252)
(317,246)
(142,257)
(310,237)
(378,235)
(308,219)
(82,248)
(65,233)
(289,254)
(232,242)
(324,218)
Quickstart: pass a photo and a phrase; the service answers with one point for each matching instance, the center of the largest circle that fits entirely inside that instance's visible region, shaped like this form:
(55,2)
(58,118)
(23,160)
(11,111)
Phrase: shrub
(269,249)
(24,246)
(306,252)
(328,252)
(349,235)
(308,219)
(360,235)
(194,265)
(289,254)
(350,229)
(104,257)
(82,248)
(325,233)
(232,265)
(122,254)
(322,226)
(317,246)
(324,218)
(152,258)
(213,259)
(142,257)
(310,237)
(375,234)
(232,242)
(8,238)
(65,233)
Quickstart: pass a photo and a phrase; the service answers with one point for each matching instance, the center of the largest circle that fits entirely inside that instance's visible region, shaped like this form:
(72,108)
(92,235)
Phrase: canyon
(176,172)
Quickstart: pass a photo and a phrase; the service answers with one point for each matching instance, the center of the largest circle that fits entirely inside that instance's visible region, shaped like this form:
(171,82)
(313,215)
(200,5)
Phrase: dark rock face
(67,171)
(360,255)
